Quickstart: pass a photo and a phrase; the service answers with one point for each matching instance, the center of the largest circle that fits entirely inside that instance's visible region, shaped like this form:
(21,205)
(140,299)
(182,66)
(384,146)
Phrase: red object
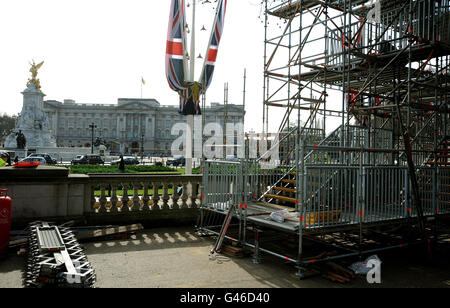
(5,221)
(27,164)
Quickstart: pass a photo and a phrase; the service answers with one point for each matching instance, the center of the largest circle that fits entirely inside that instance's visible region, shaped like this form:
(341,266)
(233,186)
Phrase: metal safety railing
(385,193)
(328,195)
(443,186)
(330,198)
(223,184)
(434,185)
(333,195)
(327,152)
(347,195)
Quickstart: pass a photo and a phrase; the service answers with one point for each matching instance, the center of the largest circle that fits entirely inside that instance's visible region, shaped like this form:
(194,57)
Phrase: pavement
(178,258)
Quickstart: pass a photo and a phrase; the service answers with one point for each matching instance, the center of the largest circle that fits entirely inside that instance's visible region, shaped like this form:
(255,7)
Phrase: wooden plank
(323,217)
(271,206)
(440,201)
(292,200)
(290,181)
(309,175)
(439,193)
(291,190)
(441,163)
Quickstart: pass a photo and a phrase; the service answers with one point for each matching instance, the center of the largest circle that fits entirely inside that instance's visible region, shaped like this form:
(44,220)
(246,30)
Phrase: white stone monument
(32,121)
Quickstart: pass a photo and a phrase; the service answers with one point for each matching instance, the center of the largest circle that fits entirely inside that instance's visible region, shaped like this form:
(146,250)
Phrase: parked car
(127,161)
(89,159)
(48,158)
(34,158)
(176,162)
(232,158)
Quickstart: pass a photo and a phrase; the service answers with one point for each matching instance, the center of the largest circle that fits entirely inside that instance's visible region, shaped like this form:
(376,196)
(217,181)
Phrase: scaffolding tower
(379,55)
(378,71)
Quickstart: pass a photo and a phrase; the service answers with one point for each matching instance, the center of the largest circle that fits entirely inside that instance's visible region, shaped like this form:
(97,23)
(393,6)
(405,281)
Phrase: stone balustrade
(142,193)
(51,193)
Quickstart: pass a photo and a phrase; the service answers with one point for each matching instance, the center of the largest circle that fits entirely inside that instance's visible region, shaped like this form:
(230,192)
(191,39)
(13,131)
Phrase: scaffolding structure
(380,71)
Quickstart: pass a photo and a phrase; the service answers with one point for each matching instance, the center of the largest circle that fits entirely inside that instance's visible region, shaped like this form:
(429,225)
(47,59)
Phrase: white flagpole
(183,42)
(190,118)
(192,58)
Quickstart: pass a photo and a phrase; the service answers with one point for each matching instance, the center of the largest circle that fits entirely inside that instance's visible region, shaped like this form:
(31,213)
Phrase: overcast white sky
(96,51)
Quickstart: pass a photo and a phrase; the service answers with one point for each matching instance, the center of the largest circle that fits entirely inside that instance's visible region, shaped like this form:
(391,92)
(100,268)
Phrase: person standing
(3,160)
(8,160)
(122,164)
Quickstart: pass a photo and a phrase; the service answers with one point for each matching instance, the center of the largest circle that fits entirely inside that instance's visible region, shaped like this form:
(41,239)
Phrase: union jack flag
(175,48)
(213,46)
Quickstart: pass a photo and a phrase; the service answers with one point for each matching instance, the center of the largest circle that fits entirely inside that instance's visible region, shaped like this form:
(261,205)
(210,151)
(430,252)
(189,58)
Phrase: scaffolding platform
(359,70)
(386,164)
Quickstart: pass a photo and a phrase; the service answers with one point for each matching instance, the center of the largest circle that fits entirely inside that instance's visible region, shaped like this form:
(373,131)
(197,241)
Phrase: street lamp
(142,149)
(92,127)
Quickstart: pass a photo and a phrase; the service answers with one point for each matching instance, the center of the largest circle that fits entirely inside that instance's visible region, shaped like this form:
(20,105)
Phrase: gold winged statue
(34,71)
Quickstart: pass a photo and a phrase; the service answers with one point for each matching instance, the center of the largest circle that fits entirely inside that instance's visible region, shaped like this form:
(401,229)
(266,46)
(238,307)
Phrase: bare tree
(7,125)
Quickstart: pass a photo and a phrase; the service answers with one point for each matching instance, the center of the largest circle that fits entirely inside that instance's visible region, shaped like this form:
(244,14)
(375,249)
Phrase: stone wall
(52,194)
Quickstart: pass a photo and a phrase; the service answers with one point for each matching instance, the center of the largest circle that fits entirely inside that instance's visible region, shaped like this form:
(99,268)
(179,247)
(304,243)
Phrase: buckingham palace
(127,125)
